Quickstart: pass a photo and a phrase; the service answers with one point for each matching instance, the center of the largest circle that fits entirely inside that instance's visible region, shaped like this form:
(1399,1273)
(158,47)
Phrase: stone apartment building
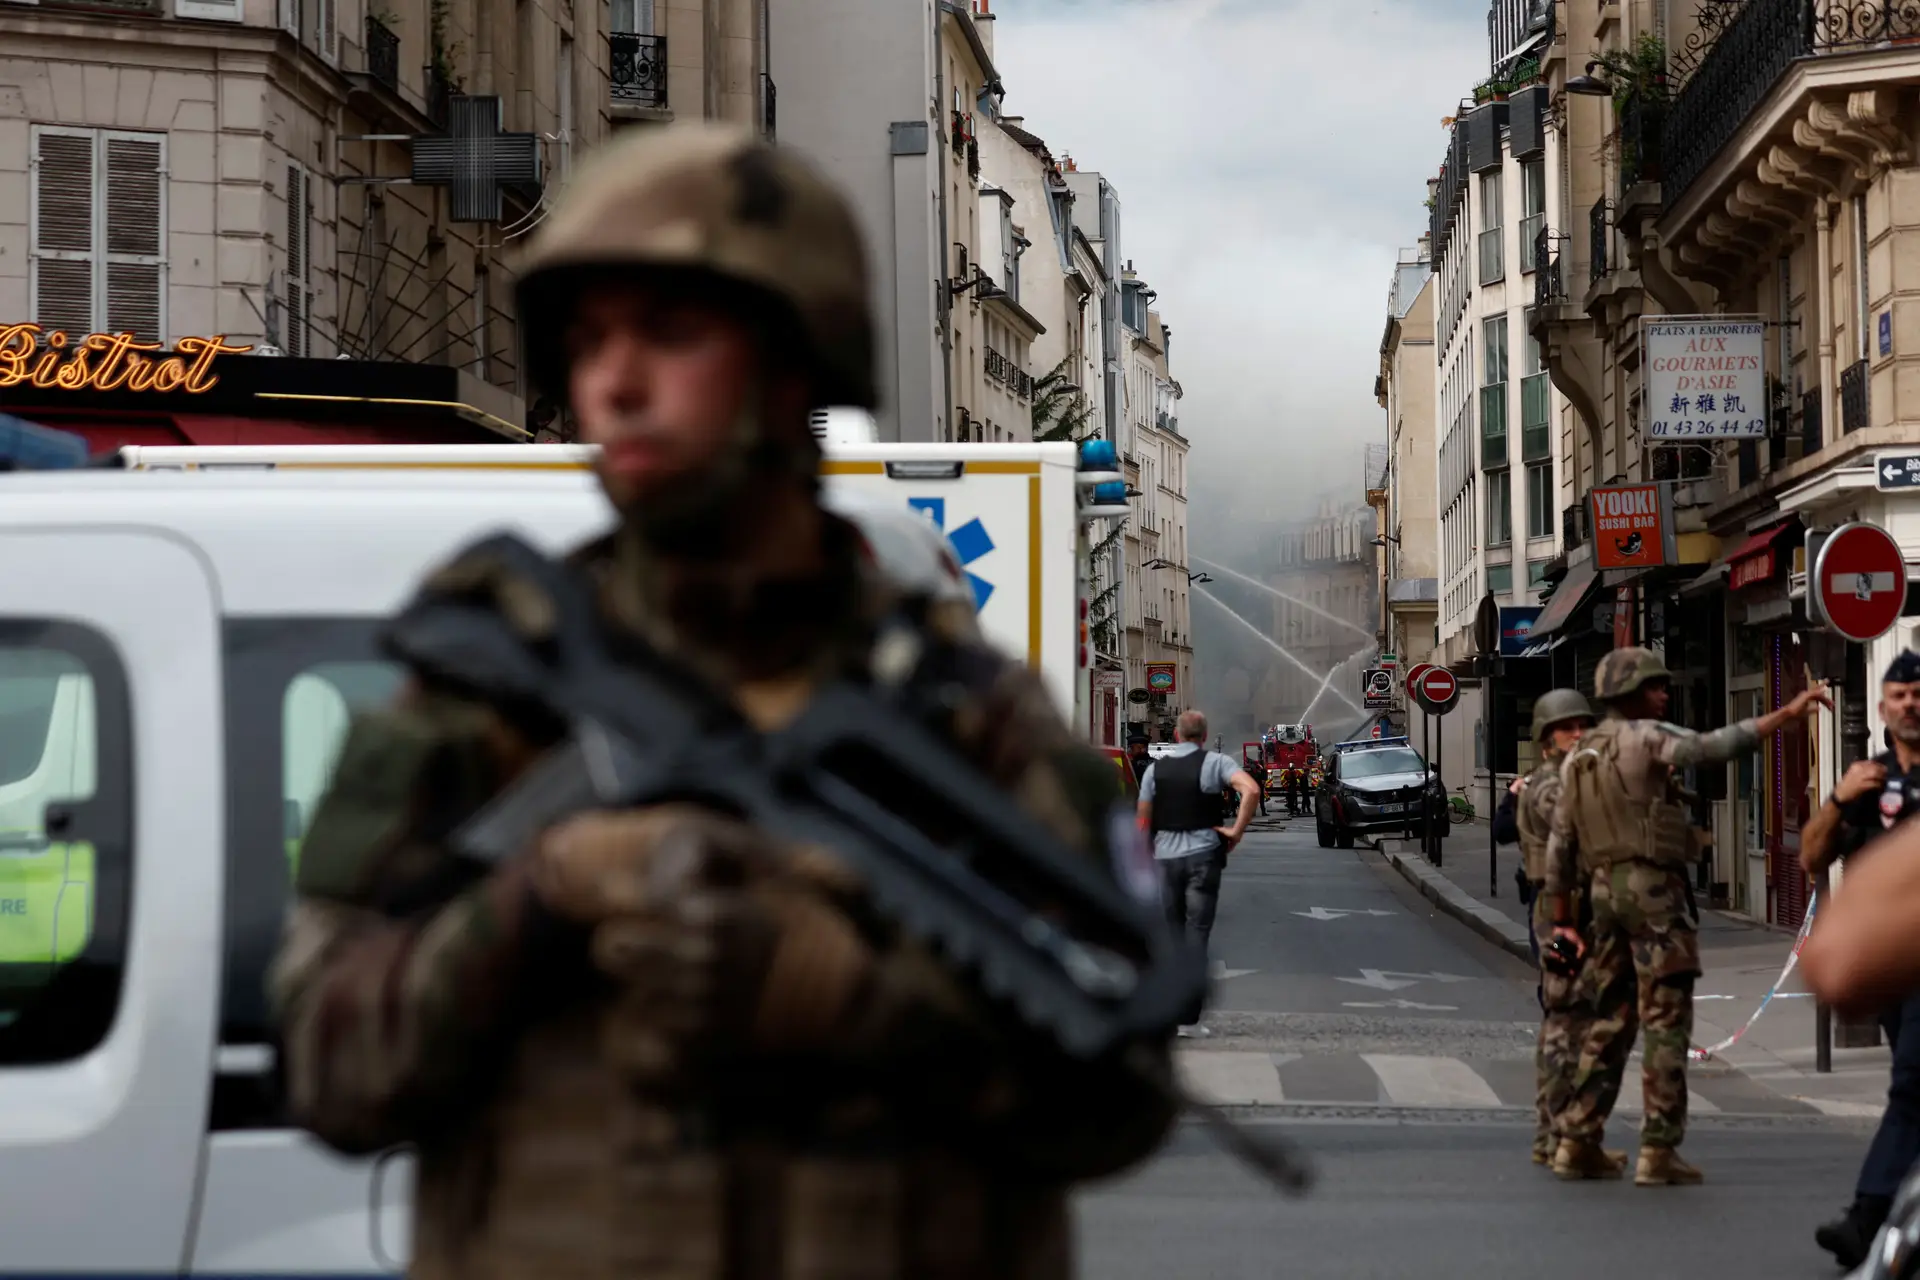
(1157,614)
(247,168)
(1409,557)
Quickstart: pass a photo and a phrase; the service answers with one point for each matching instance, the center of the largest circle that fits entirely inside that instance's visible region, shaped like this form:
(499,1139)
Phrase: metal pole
(1426,796)
(1442,818)
(1853,1032)
(1493,774)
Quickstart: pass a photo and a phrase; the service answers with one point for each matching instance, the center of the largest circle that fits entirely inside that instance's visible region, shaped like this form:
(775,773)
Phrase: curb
(1494,925)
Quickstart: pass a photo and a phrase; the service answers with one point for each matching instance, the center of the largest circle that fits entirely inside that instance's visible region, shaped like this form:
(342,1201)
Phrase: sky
(1271,157)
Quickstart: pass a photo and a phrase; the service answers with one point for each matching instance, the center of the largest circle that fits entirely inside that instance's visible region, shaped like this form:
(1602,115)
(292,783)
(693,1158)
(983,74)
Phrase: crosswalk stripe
(1430,1082)
(1234,1078)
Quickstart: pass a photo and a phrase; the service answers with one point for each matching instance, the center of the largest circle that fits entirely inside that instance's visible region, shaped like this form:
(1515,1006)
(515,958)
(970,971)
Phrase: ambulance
(183,638)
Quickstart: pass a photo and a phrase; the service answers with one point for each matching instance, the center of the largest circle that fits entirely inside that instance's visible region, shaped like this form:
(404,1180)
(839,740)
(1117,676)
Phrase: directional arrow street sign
(1399,1002)
(1896,471)
(1335,913)
(1393,980)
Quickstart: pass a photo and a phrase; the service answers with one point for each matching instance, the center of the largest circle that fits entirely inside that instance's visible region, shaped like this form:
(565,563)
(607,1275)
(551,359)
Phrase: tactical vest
(1533,814)
(1179,802)
(1611,824)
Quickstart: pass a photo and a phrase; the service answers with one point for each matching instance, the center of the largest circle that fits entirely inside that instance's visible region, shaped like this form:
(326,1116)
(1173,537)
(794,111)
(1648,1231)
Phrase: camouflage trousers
(1566,1016)
(1644,953)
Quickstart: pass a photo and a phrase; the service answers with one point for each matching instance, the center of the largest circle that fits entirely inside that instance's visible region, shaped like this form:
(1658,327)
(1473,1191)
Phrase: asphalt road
(1393,1047)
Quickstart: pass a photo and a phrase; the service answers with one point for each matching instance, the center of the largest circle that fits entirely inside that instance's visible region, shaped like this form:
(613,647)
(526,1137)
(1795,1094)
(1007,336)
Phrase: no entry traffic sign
(1414,673)
(1860,581)
(1437,690)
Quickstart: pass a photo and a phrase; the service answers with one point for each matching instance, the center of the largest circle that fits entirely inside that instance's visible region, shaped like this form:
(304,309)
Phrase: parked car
(1373,785)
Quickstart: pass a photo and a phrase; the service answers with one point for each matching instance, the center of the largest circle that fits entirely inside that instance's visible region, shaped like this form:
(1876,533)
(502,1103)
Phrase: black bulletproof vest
(1178,802)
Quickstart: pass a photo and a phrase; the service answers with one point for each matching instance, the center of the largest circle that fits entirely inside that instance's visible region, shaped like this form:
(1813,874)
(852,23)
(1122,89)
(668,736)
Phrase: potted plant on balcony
(1640,96)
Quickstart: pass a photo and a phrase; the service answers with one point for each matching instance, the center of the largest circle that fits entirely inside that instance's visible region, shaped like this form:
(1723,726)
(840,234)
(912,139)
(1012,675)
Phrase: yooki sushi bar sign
(51,360)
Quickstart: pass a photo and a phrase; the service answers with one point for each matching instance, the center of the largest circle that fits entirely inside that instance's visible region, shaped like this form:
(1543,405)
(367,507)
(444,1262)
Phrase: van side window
(293,686)
(65,839)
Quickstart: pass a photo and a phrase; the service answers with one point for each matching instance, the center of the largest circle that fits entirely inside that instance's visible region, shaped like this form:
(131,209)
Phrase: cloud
(1270,157)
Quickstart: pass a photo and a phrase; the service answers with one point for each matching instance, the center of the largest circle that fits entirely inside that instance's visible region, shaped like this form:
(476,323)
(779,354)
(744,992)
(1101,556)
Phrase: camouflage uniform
(1566,1001)
(1620,810)
(882,1125)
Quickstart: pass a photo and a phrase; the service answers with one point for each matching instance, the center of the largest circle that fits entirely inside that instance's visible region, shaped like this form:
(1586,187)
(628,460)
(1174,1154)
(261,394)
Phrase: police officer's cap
(1904,669)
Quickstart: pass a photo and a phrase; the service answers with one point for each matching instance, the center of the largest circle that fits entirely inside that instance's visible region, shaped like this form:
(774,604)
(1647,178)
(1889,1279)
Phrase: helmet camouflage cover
(712,200)
(1558,706)
(1625,670)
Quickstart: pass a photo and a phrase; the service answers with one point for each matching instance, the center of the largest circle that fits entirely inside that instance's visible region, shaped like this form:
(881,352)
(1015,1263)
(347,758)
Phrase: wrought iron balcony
(1752,51)
(1855,403)
(439,96)
(1573,525)
(383,54)
(1597,235)
(1641,120)
(1548,285)
(637,73)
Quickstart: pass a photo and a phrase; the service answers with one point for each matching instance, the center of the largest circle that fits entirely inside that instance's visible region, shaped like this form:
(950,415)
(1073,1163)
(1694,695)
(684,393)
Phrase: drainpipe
(942,123)
(1823,268)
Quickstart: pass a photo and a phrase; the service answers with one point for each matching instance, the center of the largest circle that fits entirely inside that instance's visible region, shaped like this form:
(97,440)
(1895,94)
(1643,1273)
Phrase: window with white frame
(313,23)
(296,333)
(635,17)
(99,231)
(1492,228)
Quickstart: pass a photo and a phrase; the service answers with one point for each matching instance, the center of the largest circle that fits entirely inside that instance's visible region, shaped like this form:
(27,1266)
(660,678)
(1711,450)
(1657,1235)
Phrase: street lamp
(1590,84)
(1168,564)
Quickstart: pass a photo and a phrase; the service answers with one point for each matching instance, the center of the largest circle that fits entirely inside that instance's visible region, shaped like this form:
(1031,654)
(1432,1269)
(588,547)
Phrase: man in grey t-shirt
(1182,803)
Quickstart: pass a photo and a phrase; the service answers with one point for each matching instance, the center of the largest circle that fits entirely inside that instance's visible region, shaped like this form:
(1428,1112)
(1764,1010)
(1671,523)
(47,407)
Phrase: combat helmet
(1625,670)
(712,201)
(1558,706)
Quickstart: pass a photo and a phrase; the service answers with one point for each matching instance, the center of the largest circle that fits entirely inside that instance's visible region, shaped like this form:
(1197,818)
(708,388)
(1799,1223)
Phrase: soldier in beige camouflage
(665,1044)
(1560,717)
(1620,829)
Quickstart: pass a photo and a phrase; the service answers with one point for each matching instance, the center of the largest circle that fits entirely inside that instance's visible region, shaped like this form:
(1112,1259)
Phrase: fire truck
(1283,748)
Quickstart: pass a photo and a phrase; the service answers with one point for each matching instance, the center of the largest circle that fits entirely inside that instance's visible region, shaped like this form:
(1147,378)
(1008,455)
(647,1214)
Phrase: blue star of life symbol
(969,542)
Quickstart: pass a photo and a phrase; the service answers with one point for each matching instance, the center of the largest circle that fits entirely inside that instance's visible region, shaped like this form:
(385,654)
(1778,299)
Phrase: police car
(180,653)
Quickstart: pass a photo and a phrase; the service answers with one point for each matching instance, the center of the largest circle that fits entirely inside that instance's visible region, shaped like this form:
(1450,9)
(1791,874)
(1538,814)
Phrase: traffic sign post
(1858,584)
(1437,691)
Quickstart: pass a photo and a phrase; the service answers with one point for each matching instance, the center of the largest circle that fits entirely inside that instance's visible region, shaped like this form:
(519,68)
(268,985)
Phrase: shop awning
(1573,591)
(1755,560)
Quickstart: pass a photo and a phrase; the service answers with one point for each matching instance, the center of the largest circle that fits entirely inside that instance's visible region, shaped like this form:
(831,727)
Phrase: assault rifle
(939,849)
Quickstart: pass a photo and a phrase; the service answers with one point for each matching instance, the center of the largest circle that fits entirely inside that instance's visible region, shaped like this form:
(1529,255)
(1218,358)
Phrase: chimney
(983,23)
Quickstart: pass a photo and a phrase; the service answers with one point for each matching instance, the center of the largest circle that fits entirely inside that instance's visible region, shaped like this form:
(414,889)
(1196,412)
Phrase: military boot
(1579,1160)
(1543,1148)
(1663,1167)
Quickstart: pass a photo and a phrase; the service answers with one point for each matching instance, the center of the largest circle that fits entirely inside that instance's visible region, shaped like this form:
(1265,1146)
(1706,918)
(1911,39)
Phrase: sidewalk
(1742,960)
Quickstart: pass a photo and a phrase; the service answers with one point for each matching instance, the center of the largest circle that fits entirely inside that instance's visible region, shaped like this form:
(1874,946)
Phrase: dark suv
(1373,785)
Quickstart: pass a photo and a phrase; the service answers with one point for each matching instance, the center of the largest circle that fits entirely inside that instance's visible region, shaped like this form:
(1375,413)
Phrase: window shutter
(136,217)
(63,230)
(299,293)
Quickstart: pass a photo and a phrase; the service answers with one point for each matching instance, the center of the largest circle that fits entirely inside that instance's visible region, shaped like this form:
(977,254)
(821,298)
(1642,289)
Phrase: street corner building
(311,205)
(1680,253)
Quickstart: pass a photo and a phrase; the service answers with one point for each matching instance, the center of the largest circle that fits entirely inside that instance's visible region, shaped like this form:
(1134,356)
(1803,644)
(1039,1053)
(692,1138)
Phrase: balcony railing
(1549,286)
(638,72)
(439,96)
(1641,120)
(1854,402)
(1751,53)
(1597,233)
(383,54)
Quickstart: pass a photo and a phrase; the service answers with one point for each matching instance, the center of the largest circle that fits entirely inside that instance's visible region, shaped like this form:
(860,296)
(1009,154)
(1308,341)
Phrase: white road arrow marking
(1339,913)
(1399,1002)
(1425,977)
(1379,981)
(1223,974)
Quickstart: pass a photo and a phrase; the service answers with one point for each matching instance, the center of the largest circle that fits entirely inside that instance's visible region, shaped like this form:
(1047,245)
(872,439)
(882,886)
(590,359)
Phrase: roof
(1031,141)
(974,41)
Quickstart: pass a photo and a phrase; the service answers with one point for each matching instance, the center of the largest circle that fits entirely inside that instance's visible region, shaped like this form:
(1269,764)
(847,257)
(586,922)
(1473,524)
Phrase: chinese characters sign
(34,357)
(1705,378)
(1632,526)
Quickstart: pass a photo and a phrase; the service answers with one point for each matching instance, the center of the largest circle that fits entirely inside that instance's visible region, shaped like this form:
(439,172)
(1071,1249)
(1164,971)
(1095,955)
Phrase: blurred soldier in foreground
(663,1043)
(1875,798)
(1560,718)
(1620,813)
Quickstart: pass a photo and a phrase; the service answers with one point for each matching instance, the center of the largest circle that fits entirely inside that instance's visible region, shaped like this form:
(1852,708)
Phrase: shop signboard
(1160,677)
(1516,628)
(1706,377)
(34,356)
(1376,688)
(1633,526)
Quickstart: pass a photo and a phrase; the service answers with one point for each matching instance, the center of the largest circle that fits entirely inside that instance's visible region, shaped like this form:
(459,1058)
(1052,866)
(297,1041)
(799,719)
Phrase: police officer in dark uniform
(1873,797)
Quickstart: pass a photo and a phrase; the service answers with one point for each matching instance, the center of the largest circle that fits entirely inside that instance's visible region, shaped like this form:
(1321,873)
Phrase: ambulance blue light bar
(24,446)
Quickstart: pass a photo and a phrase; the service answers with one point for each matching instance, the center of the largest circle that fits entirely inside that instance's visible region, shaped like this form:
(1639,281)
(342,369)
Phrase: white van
(179,656)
